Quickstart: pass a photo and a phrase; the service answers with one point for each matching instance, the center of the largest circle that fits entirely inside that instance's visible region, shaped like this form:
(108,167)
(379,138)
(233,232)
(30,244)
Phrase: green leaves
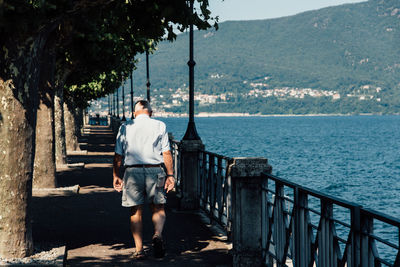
(97,40)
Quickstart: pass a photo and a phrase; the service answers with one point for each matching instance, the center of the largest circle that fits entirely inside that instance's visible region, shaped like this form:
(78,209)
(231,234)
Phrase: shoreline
(214,115)
(236,114)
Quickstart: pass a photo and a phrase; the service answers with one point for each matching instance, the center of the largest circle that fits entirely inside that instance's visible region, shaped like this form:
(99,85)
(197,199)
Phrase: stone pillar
(190,173)
(247,208)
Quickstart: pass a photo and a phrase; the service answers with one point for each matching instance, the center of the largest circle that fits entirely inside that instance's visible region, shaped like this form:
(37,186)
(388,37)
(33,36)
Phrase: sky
(266,9)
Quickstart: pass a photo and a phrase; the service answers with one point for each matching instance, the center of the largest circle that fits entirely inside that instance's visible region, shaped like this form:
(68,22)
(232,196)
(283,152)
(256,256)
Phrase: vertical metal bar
(325,244)
(264,219)
(332,248)
(271,226)
(132,97)
(123,101)
(298,237)
(219,189)
(201,177)
(397,260)
(204,179)
(322,237)
(355,261)
(148,75)
(114,105)
(108,104)
(179,168)
(279,225)
(200,180)
(229,207)
(117,104)
(211,176)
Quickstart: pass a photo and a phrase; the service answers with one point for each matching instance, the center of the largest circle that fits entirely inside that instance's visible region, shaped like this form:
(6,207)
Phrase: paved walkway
(95,227)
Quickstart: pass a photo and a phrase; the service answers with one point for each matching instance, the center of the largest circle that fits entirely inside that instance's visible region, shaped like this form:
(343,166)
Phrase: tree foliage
(97,41)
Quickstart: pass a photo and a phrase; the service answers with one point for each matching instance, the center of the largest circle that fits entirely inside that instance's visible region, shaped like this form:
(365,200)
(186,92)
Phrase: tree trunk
(78,121)
(44,172)
(15,175)
(71,137)
(19,72)
(61,150)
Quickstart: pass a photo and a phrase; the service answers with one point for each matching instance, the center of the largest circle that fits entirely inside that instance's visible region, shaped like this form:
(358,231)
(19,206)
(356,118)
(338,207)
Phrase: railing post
(247,197)
(355,237)
(366,255)
(279,225)
(190,173)
(301,233)
(325,239)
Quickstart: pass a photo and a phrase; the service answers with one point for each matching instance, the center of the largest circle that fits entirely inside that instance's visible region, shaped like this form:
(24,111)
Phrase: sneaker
(158,247)
(139,255)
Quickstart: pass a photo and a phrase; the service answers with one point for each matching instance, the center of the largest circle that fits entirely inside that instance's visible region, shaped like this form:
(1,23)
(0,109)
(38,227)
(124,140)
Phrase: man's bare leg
(158,218)
(136,226)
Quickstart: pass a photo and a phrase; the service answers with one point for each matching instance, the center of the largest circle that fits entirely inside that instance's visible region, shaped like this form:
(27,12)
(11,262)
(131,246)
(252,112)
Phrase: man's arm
(170,182)
(117,181)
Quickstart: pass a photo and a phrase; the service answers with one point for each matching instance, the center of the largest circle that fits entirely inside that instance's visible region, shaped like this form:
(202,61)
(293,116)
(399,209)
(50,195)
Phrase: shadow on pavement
(95,227)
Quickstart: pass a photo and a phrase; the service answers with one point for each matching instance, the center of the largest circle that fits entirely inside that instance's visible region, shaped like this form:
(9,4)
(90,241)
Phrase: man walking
(143,146)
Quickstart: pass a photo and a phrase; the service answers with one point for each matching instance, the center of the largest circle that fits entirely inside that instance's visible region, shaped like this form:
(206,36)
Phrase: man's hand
(169,184)
(118,183)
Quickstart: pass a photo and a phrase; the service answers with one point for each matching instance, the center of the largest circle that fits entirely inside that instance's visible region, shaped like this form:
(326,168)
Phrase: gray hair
(142,105)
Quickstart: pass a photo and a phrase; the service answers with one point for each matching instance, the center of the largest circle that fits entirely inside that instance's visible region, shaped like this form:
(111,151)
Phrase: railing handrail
(338,201)
(381,216)
(313,192)
(215,155)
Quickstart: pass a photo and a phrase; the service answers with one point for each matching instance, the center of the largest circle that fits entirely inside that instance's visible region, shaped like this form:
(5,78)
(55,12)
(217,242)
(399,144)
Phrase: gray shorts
(141,184)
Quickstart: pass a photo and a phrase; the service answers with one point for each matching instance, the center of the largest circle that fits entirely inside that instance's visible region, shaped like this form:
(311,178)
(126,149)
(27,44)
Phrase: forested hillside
(341,59)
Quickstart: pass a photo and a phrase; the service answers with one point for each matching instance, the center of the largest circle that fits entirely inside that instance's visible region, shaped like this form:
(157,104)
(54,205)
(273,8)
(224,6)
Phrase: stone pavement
(95,227)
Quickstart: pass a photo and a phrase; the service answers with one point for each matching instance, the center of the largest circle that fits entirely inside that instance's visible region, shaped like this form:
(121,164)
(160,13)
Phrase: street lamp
(148,75)
(123,100)
(117,104)
(132,94)
(191,132)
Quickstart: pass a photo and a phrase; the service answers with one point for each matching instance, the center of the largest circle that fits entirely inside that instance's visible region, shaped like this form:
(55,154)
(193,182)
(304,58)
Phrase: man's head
(142,107)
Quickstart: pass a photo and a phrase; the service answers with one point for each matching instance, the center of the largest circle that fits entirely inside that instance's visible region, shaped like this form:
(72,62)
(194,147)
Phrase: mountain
(342,59)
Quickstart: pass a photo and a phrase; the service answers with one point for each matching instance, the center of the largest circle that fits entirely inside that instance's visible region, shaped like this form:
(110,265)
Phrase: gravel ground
(44,254)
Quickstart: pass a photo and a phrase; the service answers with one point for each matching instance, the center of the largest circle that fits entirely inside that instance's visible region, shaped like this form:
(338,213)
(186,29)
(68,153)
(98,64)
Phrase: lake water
(356,158)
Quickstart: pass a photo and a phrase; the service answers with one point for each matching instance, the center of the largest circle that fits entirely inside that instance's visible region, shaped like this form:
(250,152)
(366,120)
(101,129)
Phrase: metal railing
(215,188)
(302,227)
(314,229)
(176,157)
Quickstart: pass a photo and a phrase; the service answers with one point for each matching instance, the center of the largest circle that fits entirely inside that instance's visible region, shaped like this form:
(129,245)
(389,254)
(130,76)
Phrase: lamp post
(191,132)
(117,104)
(123,101)
(109,104)
(148,75)
(113,104)
(132,95)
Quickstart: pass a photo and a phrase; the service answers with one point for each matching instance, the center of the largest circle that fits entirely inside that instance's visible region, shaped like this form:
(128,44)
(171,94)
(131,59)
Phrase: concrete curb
(76,152)
(71,189)
(54,257)
(78,165)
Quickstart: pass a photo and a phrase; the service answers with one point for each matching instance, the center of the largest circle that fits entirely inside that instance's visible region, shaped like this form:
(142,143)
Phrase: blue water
(355,158)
